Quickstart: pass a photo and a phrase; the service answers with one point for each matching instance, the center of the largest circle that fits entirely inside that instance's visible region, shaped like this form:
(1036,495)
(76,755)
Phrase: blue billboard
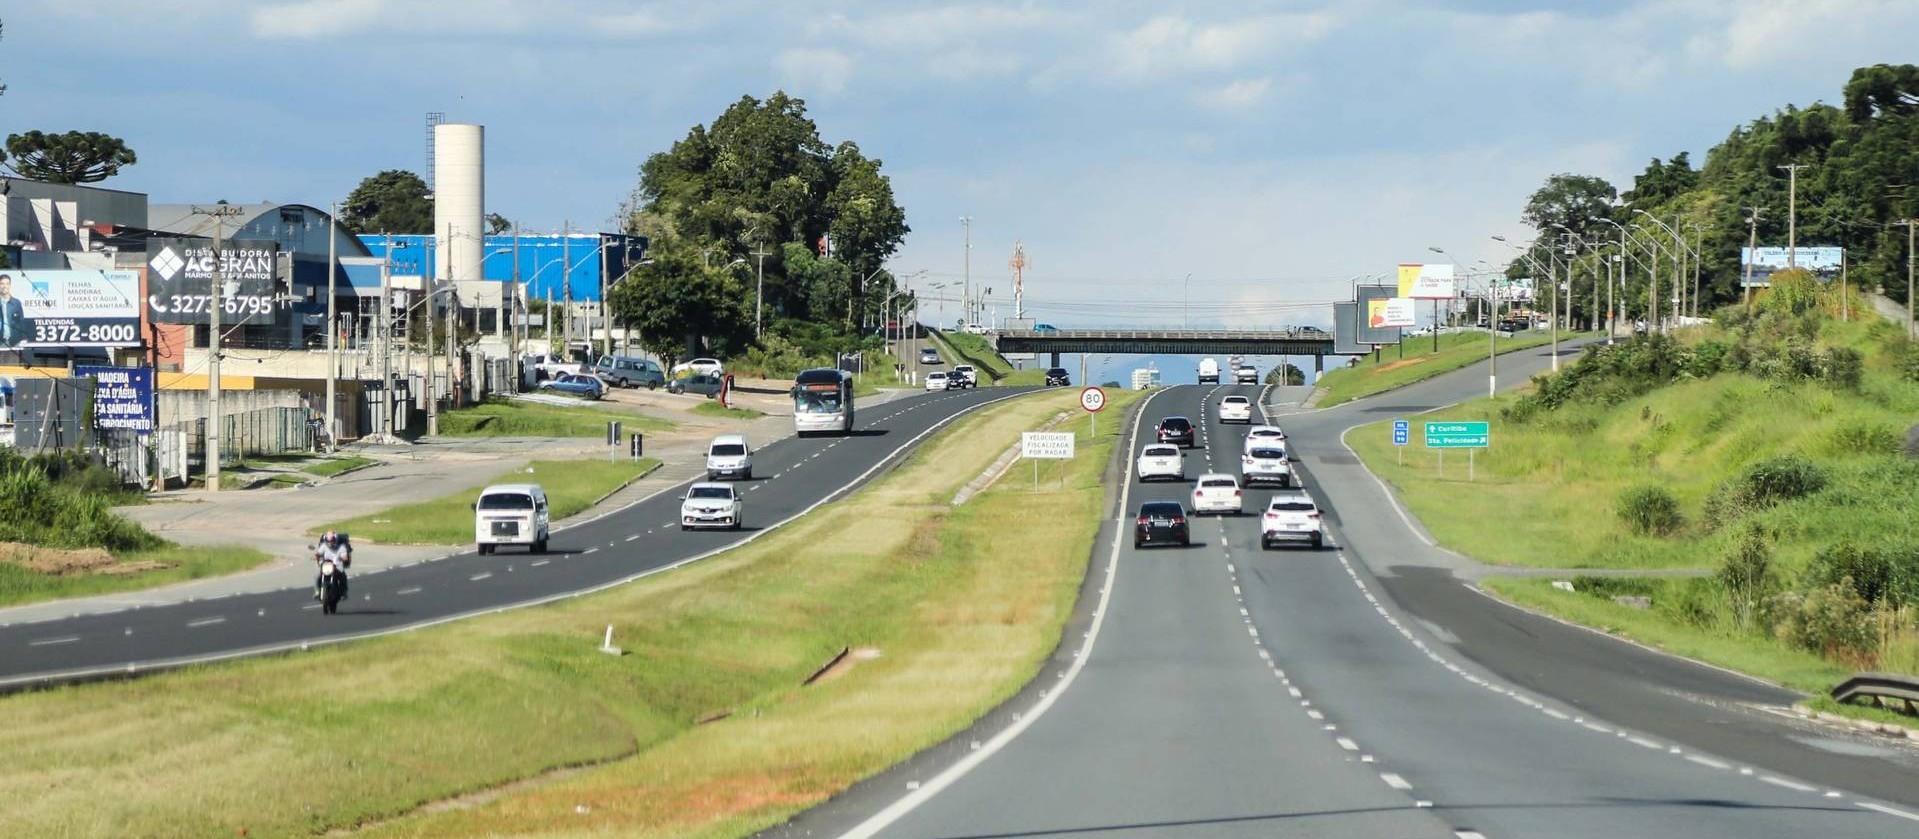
(122,397)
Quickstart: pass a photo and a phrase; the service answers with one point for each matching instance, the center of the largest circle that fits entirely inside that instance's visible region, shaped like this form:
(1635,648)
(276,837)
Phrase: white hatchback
(936,380)
(1291,516)
(1159,460)
(1217,493)
(708,504)
(1260,436)
(1236,409)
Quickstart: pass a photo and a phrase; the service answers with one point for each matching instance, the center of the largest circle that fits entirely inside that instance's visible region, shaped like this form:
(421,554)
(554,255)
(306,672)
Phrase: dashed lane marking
(480,576)
(1394,781)
(205,622)
(48,642)
(412,590)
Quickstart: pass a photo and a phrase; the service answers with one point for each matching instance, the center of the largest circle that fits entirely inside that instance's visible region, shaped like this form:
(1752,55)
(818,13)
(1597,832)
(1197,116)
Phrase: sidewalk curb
(657,464)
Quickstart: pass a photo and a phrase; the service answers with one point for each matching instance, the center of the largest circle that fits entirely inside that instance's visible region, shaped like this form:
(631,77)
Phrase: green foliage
(393,201)
(1880,574)
(63,501)
(1576,201)
(1650,510)
(1833,621)
(1745,573)
(683,310)
(1286,375)
(497,224)
(76,157)
(1781,478)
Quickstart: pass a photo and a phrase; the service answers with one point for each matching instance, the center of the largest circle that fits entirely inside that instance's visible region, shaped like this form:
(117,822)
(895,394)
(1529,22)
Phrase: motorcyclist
(334,548)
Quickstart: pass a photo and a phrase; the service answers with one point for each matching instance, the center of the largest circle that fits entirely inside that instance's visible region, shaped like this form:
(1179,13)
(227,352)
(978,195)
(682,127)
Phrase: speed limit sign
(1092,399)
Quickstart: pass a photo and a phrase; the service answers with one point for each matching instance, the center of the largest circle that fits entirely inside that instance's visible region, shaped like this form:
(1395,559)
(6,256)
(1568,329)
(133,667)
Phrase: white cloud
(1761,31)
(810,71)
(313,18)
(637,23)
(1238,96)
(1174,44)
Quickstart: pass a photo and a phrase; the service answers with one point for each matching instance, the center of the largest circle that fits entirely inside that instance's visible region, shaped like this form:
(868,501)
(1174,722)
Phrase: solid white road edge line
(911,801)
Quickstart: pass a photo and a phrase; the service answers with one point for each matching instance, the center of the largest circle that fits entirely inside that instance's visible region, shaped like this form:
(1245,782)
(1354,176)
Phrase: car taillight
(1272,514)
(1143,521)
(1236,493)
(1313,515)
(1179,519)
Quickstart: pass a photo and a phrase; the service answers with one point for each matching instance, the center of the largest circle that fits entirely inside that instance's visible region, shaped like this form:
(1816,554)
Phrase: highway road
(794,475)
(1363,690)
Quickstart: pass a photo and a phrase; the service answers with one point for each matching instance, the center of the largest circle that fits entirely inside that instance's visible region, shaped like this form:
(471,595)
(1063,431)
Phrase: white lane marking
(1395,781)
(590,551)
(1708,762)
(1347,744)
(205,622)
(1554,714)
(480,576)
(1791,785)
(1469,834)
(1644,743)
(1890,811)
(48,642)
(636,535)
(413,590)
(899,809)
(539,562)
(1599,728)
(309,606)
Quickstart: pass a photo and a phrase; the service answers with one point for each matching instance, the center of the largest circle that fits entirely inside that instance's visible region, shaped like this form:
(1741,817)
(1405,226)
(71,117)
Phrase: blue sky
(1271,150)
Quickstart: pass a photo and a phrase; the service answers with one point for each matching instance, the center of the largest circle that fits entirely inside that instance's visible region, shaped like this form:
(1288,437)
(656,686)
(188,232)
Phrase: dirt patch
(844,664)
(61,562)
(1395,365)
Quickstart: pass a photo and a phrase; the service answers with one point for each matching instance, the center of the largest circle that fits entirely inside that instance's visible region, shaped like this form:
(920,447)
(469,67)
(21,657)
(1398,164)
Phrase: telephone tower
(1018,263)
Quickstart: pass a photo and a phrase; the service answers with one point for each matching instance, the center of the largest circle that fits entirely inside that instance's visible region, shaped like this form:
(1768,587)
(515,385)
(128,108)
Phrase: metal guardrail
(1879,687)
(1304,333)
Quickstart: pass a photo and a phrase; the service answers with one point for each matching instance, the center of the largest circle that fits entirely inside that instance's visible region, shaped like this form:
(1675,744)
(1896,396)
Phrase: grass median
(31,575)
(1391,370)
(714,409)
(571,486)
(520,418)
(948,611)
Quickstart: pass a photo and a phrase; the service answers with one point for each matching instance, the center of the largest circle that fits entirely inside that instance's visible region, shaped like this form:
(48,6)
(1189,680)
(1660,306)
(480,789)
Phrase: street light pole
(332,325)
(1186,304)
(966,290)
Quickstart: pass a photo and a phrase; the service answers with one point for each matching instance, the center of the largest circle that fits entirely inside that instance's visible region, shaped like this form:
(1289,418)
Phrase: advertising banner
(122,397)
(1762,263)
(1369,334)
(1503,290)
(1346,330)
(1390,313)
(180,281)
(1426,282)
(60,309)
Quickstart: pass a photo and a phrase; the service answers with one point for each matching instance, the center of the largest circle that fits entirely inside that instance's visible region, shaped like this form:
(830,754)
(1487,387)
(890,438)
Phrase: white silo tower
(459,200)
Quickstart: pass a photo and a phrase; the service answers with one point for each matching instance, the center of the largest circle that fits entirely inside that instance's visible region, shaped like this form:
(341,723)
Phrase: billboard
(62,309)
(1426,282)
(1369,334)
(122,397)
(1503,290)
(1390,313)
(1346,330)
(1824,263)
(180,281)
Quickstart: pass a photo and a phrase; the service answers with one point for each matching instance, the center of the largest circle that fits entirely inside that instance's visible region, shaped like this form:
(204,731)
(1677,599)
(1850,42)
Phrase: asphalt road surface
(1364,691)
(792,476)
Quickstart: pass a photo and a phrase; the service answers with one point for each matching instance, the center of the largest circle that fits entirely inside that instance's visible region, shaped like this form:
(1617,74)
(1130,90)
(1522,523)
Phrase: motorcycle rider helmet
(330,537)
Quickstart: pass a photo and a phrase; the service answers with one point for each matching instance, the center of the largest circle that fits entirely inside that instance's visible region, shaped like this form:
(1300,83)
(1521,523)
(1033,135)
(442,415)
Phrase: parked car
(1177,431)
(1267,464)
(1057,377)
(968,377)
(705,366)
(929,355)
(729,456)
(938,380)
(575,384)
(1158,460)
(1161,522)
(628,371)
(510,514)
(701,383)
(1236,409)
(1247,374)
(549,365)
(974,328)
(708,504)
(1290,516)
(1216,493)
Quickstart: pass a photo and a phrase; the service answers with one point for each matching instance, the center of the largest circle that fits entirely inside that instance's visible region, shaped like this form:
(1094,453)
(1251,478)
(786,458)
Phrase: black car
(1056,377)
(1176,430)
(1161,522)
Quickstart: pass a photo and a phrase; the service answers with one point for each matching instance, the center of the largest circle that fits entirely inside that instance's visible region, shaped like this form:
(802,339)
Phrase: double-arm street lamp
(1679,251)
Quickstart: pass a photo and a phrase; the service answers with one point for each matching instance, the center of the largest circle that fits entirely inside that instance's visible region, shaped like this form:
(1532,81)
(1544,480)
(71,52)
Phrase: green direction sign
(1457,435)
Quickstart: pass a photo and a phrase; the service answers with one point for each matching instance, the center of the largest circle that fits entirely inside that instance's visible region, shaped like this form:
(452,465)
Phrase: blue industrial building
(552,266)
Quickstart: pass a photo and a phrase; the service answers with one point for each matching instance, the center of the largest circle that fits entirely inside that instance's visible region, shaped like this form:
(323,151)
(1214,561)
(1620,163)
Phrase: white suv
(729,456)
(1247,374)
(1236,409)
(936,380)
(1291,516)
(1159,460)
(1267,463)
(1217,494)
(1264,435)
(707,504)
(967,376)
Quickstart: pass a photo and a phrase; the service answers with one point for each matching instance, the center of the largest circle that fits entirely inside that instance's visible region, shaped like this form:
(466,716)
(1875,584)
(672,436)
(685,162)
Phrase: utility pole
(332,327)
(1792,213)
(1910,226)
(1752,250)
(606,318)
(382,341)
(759,288)
(966,290)
(1698,256)
(513,311)
(215,301)
(566,292)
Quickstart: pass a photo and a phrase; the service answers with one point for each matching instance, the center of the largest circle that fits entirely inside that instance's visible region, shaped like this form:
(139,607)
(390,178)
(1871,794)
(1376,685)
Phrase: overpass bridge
(1298,341)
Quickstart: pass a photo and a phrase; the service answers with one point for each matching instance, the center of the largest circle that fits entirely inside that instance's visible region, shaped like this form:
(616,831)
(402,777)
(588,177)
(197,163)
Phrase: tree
(682,309)
(1576,201)
(497,224)
(76,157)
(394,201)
(1286,375)
(1662,182)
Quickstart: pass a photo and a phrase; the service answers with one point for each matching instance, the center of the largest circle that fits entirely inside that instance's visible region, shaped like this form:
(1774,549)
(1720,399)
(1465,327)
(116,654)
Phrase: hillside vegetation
(1764,452)
(1392,369)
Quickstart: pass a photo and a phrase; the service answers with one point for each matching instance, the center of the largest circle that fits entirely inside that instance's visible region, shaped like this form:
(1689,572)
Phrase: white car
(968,376)
(1264,435)
(1236,409)
(1267,464)
(1290,516)
(702,366)
(1159,460)
(729,456)
(936,380)
(1217,494)
(1247,374)
(707,504)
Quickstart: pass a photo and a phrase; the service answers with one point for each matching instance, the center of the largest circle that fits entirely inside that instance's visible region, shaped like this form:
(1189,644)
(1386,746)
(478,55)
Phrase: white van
(729,456)
(510,514)
(1208,371)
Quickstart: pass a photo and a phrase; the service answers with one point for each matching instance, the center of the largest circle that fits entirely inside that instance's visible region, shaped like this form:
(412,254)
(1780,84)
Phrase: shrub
(1781,478)
(1863,437)
(1693,602)
(1867,571)
(1842,367)
(1833,621)
(1746,575)
(1650,510)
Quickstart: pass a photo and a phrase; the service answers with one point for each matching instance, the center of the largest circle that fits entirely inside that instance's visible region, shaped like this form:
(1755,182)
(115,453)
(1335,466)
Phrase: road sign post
(1045,445)
(1402,434)
(1471,436)
(1093,400)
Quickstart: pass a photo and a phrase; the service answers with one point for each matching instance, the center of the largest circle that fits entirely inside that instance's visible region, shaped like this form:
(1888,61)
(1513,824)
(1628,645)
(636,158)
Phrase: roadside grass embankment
(714,409)
(59,536)
(1759,460)
(516,418)
(457,731)
(974,349)
(1391,370)
(571,486)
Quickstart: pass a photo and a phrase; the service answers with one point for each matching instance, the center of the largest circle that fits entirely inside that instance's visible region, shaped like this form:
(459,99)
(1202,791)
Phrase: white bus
(823,402)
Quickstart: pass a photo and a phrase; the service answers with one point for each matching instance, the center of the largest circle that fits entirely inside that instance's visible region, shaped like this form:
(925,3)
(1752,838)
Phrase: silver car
(708,504)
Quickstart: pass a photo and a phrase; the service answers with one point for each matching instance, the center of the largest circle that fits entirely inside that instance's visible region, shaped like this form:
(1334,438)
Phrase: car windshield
(1057,371)
(506,501)
(1268,454)
(1175,424)
(1161,451)
(1236,400)
(711,493)
(936,375)
(1292,506)
(817,402)
(727,450)
(1219,483)
(1266,432)
(1161,510)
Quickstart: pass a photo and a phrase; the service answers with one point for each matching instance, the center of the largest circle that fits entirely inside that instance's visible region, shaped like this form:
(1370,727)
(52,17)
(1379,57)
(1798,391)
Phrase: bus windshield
(817,402)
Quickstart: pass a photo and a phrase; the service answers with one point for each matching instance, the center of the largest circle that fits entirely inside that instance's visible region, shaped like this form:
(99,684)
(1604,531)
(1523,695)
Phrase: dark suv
(1176,430)
(1056,377)
(1161,522)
